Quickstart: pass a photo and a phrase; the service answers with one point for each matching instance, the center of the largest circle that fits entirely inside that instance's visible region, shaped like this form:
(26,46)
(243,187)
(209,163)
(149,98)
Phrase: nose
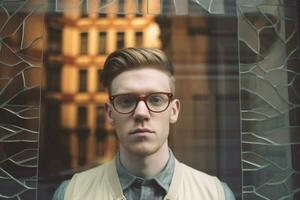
(141,112)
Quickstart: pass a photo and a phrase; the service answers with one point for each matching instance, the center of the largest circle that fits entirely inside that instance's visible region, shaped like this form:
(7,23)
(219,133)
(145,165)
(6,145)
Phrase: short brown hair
(133,58)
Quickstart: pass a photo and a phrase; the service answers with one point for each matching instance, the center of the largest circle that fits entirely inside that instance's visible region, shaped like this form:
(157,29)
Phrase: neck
(145,166)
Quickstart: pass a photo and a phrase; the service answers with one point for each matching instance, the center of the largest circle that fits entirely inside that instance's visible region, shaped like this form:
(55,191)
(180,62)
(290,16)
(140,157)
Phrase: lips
(141,130)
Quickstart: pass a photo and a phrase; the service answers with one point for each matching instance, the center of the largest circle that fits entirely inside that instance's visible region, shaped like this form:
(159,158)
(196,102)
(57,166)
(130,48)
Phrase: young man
(141,107)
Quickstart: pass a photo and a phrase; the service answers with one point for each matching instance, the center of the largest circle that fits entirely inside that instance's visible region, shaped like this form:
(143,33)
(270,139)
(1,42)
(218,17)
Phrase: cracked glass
(238,59)
(20,90)
(269,47)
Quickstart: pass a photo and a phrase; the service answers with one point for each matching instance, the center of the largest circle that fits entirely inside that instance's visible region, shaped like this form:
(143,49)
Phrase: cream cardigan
(102,183)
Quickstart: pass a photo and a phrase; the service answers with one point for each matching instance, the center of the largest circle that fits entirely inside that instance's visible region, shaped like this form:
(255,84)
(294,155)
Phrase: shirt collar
(163,178)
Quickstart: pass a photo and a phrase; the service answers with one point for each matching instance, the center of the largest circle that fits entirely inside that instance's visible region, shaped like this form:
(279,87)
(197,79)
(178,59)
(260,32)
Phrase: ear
(175,108)
(108,110)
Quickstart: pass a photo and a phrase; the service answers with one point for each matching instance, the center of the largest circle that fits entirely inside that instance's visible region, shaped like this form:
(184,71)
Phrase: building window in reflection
(82,134)
(100,87)
(83,43)
(53,78)
(121,8)
(139,39)
(84,8)
(53,115)
(139,8)
(54,40)
(100,116)
(102,11)
(102,42)
(82,80)
(82,116)
(120,40)
(82,146)
(101,133)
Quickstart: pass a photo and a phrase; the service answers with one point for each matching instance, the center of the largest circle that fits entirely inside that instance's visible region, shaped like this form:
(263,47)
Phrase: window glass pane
(139,39)
(139,7)
(53,114)
(84,43)
(103,11)
(101,132)
(120,40)
(84,8)
(100,87)
(82,116)
(54,40)
(53,78)
(102,42)
(100,116)
(237,76)
(82,134)
(83,80)
(121,8)
(267,49)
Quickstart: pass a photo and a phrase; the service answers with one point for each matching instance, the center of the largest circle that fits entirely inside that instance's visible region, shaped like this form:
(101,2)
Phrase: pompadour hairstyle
(133,58)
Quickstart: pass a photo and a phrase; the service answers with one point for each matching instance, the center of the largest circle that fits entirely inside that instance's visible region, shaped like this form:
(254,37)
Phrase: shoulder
(228,193)
(96,183)
(90,175)
(207,181)
(60,191)
(85,178)
(196,174)
(205,185)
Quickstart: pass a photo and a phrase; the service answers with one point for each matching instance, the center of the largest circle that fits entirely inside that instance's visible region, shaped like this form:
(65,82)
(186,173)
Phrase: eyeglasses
(126,103)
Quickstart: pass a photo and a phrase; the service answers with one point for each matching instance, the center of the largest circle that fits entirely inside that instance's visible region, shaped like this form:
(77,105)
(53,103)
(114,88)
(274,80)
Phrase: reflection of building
(78,43)
(204,54)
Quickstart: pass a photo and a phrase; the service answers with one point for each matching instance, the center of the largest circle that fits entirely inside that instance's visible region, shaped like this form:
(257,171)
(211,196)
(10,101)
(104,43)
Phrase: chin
(143,150)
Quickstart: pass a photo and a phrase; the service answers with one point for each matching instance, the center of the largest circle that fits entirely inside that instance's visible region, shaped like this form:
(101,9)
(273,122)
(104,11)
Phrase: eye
(125,101)
(156,100)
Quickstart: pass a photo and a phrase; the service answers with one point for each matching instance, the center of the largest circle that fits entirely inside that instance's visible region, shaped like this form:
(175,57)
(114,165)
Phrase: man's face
(142,132)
